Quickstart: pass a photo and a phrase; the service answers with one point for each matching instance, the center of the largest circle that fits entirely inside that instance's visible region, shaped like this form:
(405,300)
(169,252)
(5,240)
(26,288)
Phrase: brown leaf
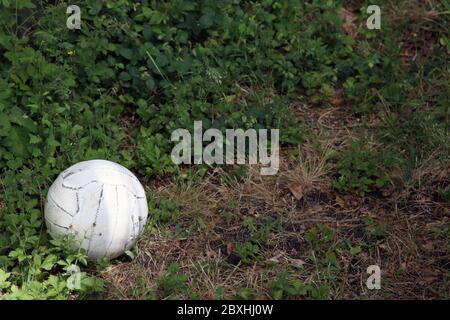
(297,263)
(337,99)
(230,247)
(403,266)
(430,276)
(430,279)
(428,246)
(339,201)
(211,254)
(296,190)
(349,22)
(275,259)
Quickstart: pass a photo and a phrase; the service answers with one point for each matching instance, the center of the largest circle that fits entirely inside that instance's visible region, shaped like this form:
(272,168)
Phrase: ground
(303,230)
(364,118)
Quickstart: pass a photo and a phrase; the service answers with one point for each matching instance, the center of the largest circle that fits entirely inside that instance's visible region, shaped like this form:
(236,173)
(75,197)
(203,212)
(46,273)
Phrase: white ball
(101,204)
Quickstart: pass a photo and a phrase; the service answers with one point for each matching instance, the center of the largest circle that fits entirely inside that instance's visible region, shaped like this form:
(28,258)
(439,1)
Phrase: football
(101,204)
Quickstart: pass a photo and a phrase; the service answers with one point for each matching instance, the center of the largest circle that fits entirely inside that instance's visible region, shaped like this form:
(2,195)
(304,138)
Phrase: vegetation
(364,122)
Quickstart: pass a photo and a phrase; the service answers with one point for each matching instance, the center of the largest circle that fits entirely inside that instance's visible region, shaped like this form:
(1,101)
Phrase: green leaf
(17,142)
(5,126)
(3,277)
(355,250)
(124,76)
(126,53)
(49,262)
(150,83)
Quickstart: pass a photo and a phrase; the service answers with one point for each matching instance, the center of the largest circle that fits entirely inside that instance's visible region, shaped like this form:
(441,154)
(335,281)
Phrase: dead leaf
(429,279)
(428,246)
(403,266)
(349,22)
(296,190)
(337,99)
(211,254)
(230,247)
(275,259)
(430,276)
(339,201)
(297,262)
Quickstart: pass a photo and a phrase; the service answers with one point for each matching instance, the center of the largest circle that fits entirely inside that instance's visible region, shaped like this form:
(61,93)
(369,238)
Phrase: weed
(248,251)
(362,169)
(173,282)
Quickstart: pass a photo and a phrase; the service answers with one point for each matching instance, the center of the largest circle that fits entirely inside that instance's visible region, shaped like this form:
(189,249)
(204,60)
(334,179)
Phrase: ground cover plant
(364,123)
